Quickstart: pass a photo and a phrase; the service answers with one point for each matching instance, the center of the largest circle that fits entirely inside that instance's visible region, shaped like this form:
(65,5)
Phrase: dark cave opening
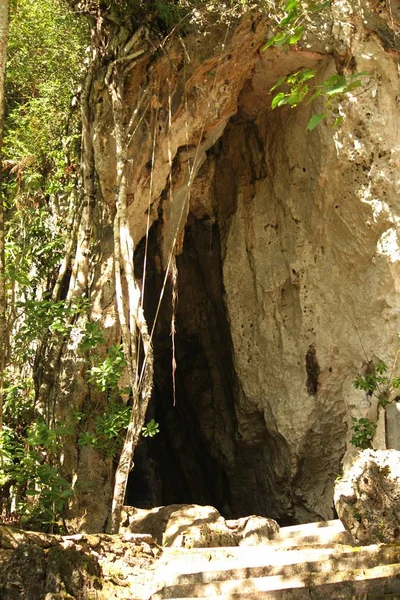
(214,447)
(199,455)
(182,464)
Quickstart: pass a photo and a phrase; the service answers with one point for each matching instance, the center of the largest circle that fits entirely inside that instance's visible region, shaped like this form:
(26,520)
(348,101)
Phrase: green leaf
(268,44)
(353,85)
(337,122)
(314,121)
(290,18)
(291,5)
(279,100)
(296,35)
(335,90)
(381,367)
(359,74)
(306,74)
(281,38)
(315,95)
(280,81)
(335,85)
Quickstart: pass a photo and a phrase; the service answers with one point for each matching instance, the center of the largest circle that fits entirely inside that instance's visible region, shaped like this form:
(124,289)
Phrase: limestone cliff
(287,254)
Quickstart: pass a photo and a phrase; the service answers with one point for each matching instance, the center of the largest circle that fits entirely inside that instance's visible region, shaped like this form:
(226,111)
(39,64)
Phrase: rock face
(36,566)
(286,253)
(288,279)
(194,526)
(367,498)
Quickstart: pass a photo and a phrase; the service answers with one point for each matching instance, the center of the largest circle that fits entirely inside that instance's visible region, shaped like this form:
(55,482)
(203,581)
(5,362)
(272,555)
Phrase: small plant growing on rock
(363,433)
(378,382)
(150,429)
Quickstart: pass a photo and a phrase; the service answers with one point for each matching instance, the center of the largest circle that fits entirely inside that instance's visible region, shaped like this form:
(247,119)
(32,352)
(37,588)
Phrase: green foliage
(377,381)
(46,55)
(105,376)
(93,335)
(291,26)
(163,15)
(30,463)
(363,433)
(297,89)
(33,247)
(110,428)
(45,63)
(37,318)
(150,429)
(18,401)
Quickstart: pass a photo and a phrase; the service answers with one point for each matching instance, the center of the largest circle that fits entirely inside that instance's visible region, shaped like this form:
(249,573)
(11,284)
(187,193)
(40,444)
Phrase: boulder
(253,530)
(195,526)
(367,498)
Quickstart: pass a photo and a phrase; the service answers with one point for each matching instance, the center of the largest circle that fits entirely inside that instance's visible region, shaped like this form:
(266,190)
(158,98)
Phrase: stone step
(302,562)
(287,564)
(321,533)
(213,559)
(381,579)
(318,533)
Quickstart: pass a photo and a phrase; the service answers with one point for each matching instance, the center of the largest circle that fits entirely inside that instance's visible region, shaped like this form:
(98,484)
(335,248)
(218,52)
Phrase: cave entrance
(188,461)
(199,456)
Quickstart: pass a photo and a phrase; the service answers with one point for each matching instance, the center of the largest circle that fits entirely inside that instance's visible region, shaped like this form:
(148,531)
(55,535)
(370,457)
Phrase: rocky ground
(190,551)
(37,566)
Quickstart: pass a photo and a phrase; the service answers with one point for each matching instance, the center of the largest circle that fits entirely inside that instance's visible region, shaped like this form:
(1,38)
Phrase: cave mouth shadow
(199,457)
(183,463)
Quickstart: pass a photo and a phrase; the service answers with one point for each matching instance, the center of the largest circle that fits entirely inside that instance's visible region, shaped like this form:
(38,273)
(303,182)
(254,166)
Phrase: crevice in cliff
(185,463)
(214,447)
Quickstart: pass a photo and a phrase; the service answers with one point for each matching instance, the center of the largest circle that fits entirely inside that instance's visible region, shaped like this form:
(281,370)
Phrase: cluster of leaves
(110,426)
(363,433)
(40,318)
(296,86)
(92,336)
(46,53)
(109,430)
(150,429)
(163,15)
(291,26)
(33,247)
(377,381)
(297,89)
(45,63)
(46,59)
(106,375)
(29,459)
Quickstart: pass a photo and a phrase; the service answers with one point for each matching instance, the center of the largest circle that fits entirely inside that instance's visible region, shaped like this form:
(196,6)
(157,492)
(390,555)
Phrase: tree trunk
(4,22)
(133,324)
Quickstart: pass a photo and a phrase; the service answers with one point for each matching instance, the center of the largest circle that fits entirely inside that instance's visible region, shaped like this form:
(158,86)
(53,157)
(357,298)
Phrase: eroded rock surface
(288,277)
(287,255)
(36,566)
(194,526)
(367,497)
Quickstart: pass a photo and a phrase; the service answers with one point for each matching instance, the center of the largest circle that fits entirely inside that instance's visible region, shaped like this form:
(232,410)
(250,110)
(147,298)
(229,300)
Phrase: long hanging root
(174,278)
(132,322)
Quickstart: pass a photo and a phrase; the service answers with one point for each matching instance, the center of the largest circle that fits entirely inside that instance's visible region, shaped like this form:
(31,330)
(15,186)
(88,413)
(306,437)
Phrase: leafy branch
(291,26)
(363,433)
(297,89)
(378,382)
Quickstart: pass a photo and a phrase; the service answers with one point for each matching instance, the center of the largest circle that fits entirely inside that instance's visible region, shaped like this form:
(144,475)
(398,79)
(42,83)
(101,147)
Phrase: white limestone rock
(367,497)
